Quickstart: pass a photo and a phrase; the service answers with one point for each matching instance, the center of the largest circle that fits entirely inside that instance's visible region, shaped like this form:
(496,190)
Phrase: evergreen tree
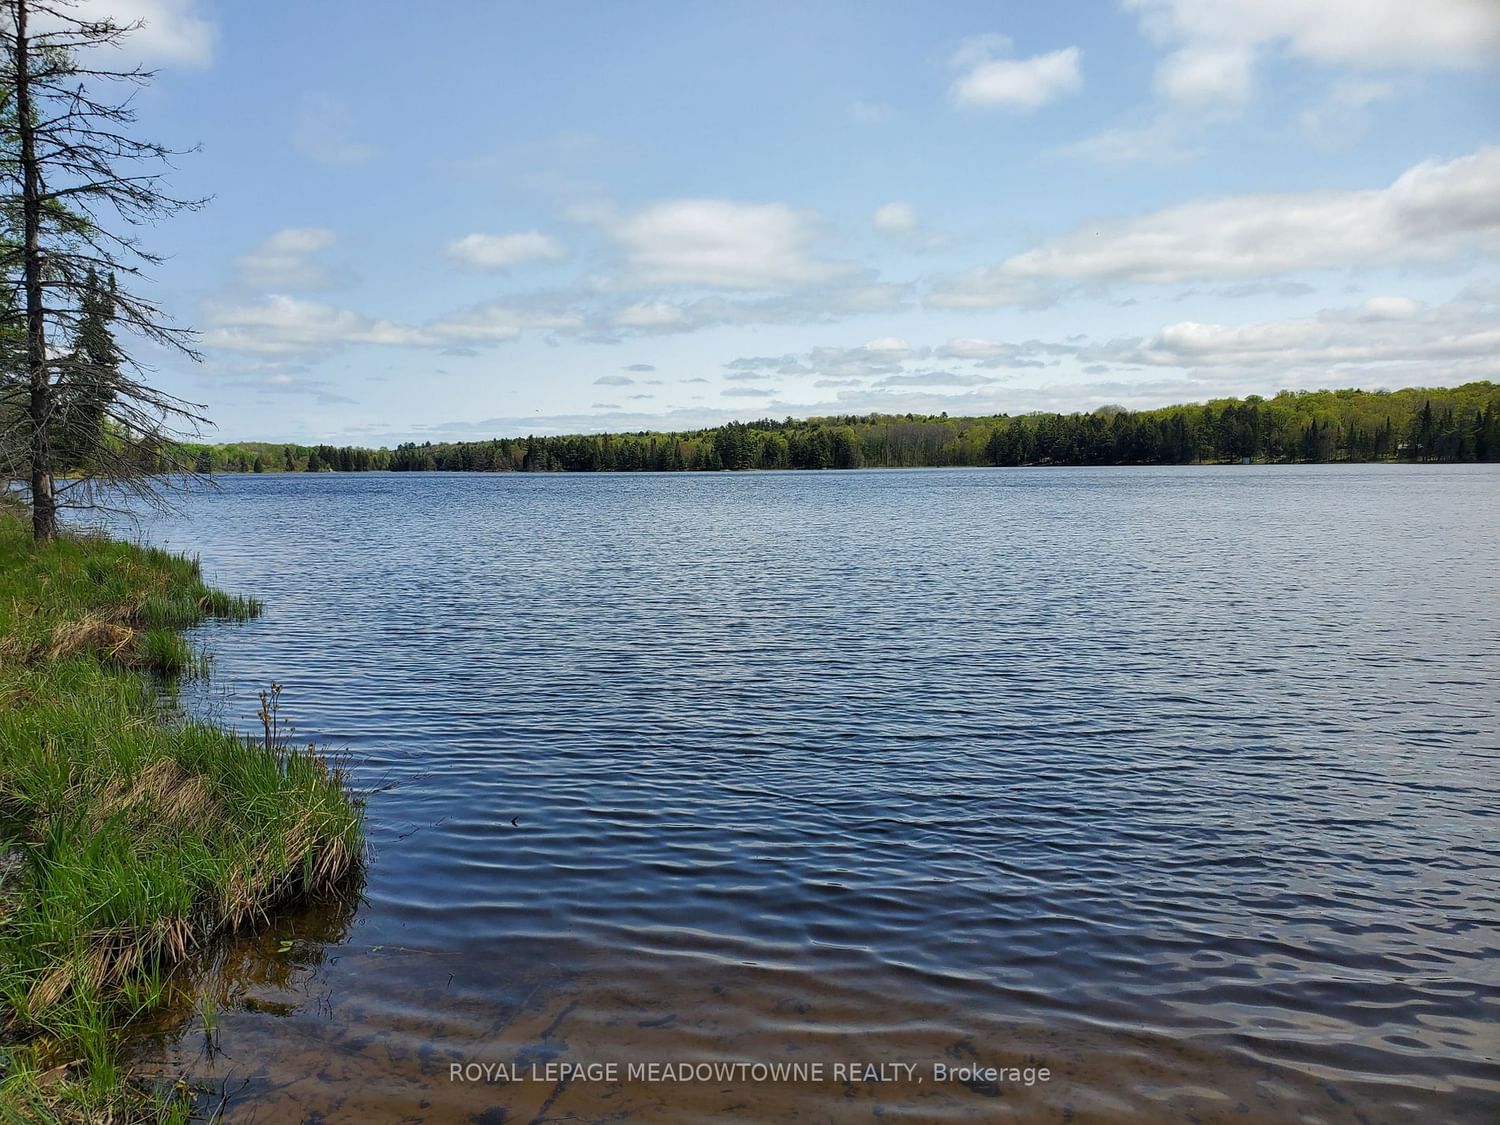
(88,381)
(73,170)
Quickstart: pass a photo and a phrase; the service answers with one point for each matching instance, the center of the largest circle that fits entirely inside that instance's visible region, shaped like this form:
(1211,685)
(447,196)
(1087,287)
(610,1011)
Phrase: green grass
(132,840)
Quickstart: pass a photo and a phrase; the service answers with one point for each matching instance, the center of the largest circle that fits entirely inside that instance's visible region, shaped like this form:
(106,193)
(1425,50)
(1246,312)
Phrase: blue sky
(505,218)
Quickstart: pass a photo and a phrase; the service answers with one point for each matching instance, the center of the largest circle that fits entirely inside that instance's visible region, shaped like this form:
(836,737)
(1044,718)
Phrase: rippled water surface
(1180,783)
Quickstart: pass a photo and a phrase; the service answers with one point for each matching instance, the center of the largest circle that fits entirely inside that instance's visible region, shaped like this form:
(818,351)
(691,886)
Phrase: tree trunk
(43,500)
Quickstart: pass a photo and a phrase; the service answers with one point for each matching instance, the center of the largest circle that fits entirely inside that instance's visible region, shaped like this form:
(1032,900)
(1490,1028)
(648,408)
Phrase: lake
(1179,785)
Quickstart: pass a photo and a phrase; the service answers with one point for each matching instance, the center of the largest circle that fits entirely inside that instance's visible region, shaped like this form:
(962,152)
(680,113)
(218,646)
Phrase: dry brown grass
(92,634)
(164,794)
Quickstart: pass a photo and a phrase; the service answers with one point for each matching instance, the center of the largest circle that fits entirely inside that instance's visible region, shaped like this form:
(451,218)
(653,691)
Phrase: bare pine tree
(77,420)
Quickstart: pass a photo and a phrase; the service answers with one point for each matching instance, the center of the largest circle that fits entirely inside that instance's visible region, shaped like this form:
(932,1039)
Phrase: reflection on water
(1177,783)
(273,970)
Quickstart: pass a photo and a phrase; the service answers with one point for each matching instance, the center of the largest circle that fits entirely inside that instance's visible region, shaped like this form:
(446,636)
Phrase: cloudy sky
(504,218)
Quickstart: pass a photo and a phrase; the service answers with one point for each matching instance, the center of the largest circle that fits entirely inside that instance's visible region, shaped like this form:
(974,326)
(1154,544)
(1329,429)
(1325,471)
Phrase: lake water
(1180,783)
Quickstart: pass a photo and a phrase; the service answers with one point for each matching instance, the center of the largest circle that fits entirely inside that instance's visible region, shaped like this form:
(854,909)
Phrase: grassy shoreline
(129,839)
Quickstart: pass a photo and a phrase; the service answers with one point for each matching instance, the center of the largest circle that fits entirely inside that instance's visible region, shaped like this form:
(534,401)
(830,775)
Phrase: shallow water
(1180,783)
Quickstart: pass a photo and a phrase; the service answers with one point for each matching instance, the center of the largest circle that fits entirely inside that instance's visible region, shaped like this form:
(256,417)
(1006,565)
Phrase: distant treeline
(1415,424)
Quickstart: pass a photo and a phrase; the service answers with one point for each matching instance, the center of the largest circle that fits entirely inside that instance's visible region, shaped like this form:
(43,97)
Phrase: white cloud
(1434,212)
(720,243)
(1017,84)
(1372,33)
(650,314)
(1159,142)
(934,379)
(896,218)
(1000,353)
(285,325)
(325,132)
(756,362)
(900,223)
(1197,76)
(748,392)
(886,355)
(1442,34)
(1390,308)
(270,377)
(754,376)
(286,260)
(857,296)
(614,381)
(973,348)
(1382,342)
(888,347)
(496,322)
(281,325)
(171,31)
(502,251)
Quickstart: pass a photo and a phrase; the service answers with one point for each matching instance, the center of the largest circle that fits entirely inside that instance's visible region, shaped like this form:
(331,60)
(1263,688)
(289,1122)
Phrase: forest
(1413,424)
